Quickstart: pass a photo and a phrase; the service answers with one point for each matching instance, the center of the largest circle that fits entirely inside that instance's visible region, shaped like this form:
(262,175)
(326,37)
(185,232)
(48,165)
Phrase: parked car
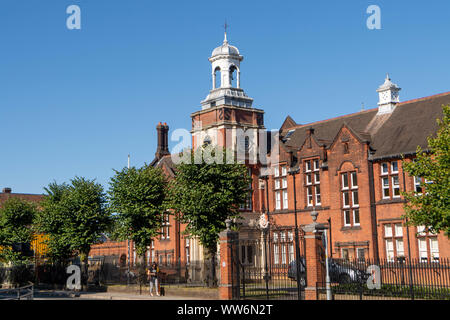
(292,271)
(340,272)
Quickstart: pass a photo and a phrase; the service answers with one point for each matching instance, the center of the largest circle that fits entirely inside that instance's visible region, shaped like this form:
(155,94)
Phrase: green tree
(51,220)
(74,216)
(137,197)
(16,218)
(204,194)
(432,207)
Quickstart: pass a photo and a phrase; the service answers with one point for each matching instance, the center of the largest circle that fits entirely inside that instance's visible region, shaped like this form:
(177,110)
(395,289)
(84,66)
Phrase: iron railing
(402,279)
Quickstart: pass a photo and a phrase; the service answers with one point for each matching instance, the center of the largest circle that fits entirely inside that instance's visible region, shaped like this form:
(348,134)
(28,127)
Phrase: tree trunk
(142,275)
(84,271)
(210,264)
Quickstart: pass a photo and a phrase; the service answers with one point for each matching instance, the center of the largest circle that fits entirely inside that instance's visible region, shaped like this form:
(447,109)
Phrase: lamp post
(293,172)
(314,215)
(264,224)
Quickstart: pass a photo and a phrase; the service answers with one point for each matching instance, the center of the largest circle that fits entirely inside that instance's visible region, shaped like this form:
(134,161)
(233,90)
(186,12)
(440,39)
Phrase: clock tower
(227,117)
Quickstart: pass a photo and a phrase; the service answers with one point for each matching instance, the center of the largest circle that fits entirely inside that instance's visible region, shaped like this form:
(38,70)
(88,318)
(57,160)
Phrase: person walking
(152,274)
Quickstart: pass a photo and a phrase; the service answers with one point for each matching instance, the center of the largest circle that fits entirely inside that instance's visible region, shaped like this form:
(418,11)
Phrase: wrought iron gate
(265,267)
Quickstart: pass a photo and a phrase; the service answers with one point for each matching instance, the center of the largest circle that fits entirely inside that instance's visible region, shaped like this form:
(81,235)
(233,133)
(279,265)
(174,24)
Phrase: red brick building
(350,170)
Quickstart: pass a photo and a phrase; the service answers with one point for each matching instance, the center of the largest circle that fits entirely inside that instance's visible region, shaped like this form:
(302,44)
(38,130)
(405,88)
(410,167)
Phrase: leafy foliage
(205,195)
(137,199)
(432,207)
(16,218)
(74,216)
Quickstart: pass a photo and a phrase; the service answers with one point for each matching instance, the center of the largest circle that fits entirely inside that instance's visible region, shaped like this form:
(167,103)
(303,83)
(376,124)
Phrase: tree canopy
(205,194)
(431,207)
(74,217)
(137,197)
(16,218)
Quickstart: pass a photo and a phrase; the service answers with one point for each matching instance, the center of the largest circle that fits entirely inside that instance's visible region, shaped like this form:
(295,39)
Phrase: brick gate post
(229,264)
(314,251)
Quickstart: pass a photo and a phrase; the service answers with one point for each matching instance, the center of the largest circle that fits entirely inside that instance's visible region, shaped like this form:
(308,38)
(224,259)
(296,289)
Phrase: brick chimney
(163,140)
(6,190)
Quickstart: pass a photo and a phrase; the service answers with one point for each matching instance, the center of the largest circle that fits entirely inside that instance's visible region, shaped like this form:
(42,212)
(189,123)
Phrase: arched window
(233,76)
(217,78)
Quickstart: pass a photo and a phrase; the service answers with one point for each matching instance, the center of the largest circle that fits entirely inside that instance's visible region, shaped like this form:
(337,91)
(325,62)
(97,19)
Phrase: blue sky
(77,102)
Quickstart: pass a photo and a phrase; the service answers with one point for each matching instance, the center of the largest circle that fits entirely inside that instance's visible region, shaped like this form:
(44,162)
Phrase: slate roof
(389,135)
(23,196)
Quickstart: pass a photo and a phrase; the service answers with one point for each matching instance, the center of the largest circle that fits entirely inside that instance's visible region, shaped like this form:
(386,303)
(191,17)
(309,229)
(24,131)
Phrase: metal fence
(108,271)
(388,280)
(21,293)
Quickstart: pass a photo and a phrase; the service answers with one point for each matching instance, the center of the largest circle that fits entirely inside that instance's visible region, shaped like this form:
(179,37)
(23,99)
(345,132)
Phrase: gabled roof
(394,134)
(165,162)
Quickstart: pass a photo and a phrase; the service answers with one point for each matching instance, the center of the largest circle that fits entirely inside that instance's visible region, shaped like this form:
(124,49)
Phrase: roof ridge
(370,110)
(335,118)
(425,98)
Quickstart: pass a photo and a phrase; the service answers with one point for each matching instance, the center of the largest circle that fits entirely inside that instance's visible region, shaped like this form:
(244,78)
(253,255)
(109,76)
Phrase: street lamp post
(264,224)
(314,215)
(293,172)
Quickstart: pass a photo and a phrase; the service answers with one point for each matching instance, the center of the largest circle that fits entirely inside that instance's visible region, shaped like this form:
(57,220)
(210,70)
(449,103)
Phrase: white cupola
(226,78)
(225,61)
(388,94)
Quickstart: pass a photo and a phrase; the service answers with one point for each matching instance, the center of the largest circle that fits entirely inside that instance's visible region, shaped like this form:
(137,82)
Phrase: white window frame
(343,199)
(316,165)
(318,197)
(392,167)
(387,227)
(284,183)
(277,200)
(276,171)
(354,186)
(343,184)
(354,217)
(434,252)
(309,196)
(309,179)
(417,184)
(283,171)
(398,229)
(382,167)
(308,166)
(347,223)
(277,184)
(316,181)
(400,252)
(384,187)
(423,252)
(395,186)
(285,199)
(390,253)
(355,205)
(276,254)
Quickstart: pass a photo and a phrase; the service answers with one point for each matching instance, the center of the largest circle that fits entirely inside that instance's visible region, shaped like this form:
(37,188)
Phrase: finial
(387,76)
(225,26)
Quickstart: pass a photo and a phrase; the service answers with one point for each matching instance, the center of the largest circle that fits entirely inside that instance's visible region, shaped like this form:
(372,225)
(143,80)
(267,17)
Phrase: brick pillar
(315,272)
(228,265)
